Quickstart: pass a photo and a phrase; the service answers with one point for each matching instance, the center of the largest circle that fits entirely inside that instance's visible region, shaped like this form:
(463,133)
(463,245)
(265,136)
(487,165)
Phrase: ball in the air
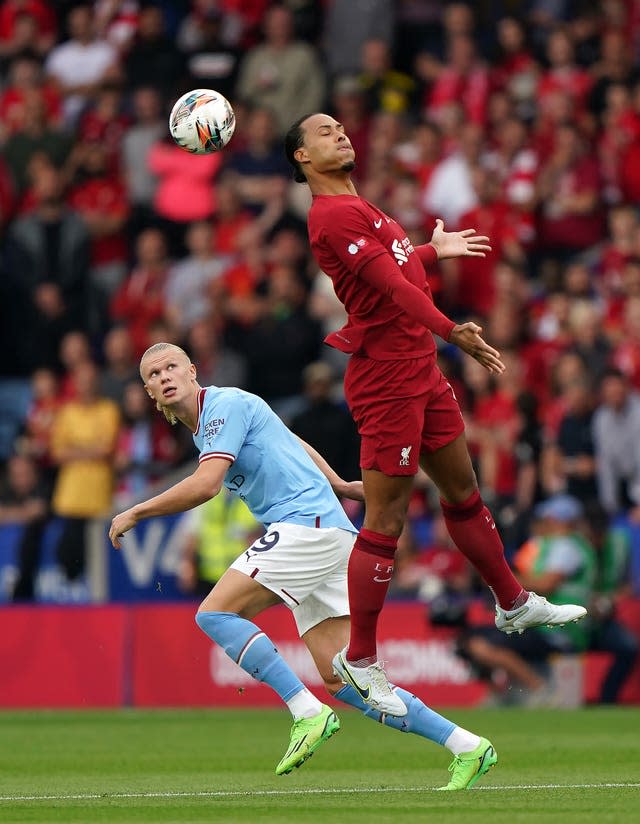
(202,121)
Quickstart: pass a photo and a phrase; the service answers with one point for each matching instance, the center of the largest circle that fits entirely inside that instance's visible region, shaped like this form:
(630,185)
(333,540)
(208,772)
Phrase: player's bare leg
(224,616)
(370,571)
(473,756)
(474,532)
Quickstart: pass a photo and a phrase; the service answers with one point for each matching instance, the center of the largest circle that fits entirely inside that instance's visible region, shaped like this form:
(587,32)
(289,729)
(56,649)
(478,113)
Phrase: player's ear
(301,155)
(148,391)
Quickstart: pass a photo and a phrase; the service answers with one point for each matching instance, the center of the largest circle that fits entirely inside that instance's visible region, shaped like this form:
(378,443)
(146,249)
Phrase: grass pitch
(210,766)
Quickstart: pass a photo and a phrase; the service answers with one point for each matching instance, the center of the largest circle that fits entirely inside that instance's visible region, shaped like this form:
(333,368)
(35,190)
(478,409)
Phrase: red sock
(474,533)
(370,570)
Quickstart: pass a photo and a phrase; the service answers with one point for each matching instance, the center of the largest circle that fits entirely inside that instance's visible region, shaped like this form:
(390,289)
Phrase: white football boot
(371,685)
(537,612)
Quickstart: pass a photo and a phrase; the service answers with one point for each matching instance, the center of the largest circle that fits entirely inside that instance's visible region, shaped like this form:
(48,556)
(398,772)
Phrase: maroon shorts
(402,408)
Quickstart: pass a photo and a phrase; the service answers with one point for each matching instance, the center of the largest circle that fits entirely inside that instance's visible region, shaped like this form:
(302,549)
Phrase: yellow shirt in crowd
(84,486)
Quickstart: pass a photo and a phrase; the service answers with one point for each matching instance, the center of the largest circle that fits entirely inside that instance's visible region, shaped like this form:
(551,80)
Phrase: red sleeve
(427,254)
(387,279)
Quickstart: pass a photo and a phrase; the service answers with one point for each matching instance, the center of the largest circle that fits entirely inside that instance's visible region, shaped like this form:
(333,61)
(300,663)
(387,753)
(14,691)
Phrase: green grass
(210,766)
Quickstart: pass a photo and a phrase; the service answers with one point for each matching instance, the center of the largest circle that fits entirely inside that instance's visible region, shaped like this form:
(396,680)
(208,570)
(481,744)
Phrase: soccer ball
(202,121)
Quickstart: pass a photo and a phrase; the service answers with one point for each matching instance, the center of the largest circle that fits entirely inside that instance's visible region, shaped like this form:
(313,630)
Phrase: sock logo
(490,521)
(386,571)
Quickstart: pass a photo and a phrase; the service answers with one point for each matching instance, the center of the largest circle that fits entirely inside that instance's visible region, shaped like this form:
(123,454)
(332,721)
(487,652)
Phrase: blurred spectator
(231,218)
(557,561)
(283,74)
(211,60)
(585,322)
(515,69)
(121,365)
(626,355)
(184,191)
(35,438)
(75,351)
(281,343)
(99,197)
(24,501)
(148,128)
(326,424)
(259,172)
(463,78)
(37,139)
(26,25)
(386,89)
(81,63)
(616,435)
(449,192)
(146,447)
(214,535)
(194,280)
(23,79)
(106,123)
(117,21)
(568,463)
(563,73)
(612,543)
(152,59)
(473,289)
(140,300)
(515,165)
(82,445)
(216,364)
(47,265)
(568,191)
(348,26)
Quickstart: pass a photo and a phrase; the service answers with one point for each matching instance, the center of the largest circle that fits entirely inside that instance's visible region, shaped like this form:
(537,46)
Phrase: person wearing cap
(557,561)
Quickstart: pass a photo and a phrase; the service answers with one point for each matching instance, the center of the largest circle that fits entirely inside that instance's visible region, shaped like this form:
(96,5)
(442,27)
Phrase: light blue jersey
(270,469)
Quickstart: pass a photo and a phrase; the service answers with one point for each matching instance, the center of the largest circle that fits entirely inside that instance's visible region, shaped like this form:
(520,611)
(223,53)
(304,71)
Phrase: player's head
(315,145)
(169,377)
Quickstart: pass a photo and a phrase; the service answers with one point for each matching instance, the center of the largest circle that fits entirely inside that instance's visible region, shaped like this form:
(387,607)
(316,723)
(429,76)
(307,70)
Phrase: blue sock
(419,719)
(251,649)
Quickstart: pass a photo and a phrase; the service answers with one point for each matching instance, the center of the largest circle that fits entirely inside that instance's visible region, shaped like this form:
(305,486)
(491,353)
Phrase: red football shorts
(402,408)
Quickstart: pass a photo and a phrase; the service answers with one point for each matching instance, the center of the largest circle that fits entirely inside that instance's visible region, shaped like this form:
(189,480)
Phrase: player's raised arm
(205,483)
(345,489)
(387,278)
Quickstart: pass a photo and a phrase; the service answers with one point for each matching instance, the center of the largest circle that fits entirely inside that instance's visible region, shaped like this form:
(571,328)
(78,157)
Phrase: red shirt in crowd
(572,229)
(476,290)
(139,302)
(107,197)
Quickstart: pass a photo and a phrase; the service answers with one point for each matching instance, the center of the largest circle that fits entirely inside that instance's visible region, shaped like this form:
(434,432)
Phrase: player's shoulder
(337,204)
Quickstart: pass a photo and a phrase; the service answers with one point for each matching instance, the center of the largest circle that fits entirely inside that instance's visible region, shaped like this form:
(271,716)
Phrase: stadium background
(520,119)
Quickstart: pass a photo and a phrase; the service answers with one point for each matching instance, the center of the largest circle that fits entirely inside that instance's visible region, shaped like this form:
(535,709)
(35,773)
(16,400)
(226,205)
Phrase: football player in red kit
(406,412)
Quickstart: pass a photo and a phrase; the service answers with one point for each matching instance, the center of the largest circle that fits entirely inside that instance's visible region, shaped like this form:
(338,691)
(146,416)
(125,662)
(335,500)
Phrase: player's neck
(332,184)
(187,411)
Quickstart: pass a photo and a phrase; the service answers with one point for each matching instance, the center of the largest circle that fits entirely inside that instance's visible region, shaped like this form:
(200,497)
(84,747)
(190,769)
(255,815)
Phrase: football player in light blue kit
(301,560)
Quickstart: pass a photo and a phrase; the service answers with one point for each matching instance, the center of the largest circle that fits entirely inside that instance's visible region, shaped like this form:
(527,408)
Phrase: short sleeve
(348,233)
(225,424)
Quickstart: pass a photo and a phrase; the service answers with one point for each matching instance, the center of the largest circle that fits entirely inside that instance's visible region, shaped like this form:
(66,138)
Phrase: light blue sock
(419,719)
(252,650)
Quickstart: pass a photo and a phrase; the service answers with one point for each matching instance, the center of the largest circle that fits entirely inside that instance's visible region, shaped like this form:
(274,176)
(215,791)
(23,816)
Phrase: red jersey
(346,232)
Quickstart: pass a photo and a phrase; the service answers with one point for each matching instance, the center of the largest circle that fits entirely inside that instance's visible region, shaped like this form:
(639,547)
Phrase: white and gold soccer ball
(202,121)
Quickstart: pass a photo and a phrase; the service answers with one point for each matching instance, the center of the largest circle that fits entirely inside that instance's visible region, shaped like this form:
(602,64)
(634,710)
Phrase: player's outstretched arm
(345,489)
(458,244)
(467,336)
(205,483)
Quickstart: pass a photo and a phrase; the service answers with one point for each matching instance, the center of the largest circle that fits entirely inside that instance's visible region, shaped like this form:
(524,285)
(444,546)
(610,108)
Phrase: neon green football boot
(306,736)
(468,767)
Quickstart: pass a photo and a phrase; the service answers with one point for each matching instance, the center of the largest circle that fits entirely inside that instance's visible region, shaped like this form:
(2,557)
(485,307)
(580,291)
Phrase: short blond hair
(160,347)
